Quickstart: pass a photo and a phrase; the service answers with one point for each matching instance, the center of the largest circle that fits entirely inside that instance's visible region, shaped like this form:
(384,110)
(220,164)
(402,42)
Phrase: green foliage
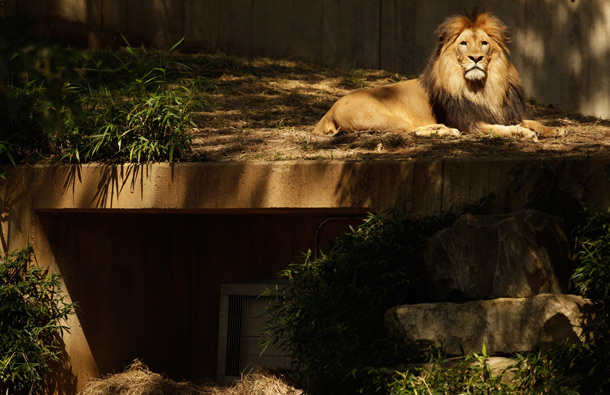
(565,368)
(592,280)
(135,113)
(330,320)
(471,376)
(149,127)
(548,372)
(33,99)
(592,277)
(32,312)
(532,373)
(123,105)
(332,316)
(130,67)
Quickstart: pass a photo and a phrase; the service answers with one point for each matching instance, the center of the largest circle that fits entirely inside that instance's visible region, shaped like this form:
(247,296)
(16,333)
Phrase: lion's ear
(440,37)
(498,30)
(440,33)
(445,30)
(506,37)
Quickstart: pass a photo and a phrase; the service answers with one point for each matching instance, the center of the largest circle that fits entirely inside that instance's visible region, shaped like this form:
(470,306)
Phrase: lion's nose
(476,59)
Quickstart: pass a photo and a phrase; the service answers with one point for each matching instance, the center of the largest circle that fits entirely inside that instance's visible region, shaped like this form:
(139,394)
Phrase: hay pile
(139,380)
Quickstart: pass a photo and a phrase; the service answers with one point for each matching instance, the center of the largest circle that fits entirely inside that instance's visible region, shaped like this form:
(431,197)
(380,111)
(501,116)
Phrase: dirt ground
(264,109)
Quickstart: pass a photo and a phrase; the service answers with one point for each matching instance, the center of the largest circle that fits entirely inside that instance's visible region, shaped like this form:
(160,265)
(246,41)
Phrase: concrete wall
(144,248)
(148,285)
(559,46)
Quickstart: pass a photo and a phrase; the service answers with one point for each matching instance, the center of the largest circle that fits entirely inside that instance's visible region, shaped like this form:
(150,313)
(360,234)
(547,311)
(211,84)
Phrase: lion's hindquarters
(400,107)
(325,127)
(360,111)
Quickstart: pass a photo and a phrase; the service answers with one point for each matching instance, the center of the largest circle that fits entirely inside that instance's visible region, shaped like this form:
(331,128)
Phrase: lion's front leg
(543,131)
(437,129)
(507,131)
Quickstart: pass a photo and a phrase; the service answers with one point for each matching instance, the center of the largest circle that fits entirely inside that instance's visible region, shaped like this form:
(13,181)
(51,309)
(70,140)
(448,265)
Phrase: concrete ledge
(426,186)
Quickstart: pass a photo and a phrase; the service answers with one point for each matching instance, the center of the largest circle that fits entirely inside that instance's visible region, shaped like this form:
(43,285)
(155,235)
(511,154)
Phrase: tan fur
(468,84)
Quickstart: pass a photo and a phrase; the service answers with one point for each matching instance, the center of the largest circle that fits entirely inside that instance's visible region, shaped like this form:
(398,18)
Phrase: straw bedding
(137,379)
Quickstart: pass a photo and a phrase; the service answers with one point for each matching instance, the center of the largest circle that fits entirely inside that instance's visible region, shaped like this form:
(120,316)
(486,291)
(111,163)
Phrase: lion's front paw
(554,132)
(522,132)
(436,130)
(543,130)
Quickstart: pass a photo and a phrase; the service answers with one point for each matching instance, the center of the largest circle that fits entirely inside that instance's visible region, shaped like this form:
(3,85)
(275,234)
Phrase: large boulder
(505,325)
(496,256)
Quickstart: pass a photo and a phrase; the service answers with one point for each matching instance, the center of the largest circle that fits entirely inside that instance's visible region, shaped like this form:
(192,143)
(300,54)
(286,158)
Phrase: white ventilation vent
(241,325)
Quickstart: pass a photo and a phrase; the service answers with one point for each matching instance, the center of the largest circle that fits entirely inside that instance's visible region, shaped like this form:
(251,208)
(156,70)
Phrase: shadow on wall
(12,202)
(148,285)
(61,380)
(562,50)
(97,24)
(559,47)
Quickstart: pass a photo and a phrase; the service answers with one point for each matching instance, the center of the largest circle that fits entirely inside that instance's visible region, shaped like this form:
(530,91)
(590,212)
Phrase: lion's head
(469,77)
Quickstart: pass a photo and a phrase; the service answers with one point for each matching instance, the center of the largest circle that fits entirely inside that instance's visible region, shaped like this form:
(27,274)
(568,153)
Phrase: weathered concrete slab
(351,33)
(234,25)
(158,21)
(273,28)
(114,16)
(423,186)
(506,325)
(200,25)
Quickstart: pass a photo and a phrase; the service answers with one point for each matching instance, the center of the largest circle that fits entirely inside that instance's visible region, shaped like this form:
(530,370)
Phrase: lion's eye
(464,43)
(484,43)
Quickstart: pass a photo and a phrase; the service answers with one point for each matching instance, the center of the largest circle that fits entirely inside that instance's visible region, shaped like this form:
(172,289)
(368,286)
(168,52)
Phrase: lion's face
(474,52)
(471,62)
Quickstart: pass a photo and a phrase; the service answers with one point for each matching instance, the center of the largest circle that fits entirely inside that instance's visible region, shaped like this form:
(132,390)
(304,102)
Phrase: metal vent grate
(241,325)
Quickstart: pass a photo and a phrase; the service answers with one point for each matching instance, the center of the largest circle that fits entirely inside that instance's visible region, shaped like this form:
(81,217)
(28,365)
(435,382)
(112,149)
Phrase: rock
(505,325)
(496,256)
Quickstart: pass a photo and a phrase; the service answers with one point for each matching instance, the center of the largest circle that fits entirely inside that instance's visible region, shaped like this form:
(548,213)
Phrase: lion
(468,86)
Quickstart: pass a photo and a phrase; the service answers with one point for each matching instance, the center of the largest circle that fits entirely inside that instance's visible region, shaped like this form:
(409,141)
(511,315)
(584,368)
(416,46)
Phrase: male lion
(469,85)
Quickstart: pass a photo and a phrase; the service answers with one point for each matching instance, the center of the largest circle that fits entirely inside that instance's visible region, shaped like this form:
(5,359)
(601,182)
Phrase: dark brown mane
(457,111)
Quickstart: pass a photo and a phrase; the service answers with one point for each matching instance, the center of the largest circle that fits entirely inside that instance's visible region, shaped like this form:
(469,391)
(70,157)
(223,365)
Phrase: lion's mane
(460,103)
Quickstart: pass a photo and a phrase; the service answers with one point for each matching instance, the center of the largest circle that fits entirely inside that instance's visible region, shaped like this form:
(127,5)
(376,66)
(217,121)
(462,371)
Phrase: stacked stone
(498,281)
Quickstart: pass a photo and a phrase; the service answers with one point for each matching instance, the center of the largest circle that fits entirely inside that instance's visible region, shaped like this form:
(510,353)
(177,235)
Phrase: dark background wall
(148,285)
(559,46)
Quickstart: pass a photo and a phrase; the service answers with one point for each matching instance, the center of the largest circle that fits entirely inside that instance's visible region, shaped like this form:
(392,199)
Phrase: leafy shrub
(134,112)
(33,98)
(591,279)
(151,126)
(471,376)
(82,106)
(330,321)
(332,316)
(31,314)
(565,368)
(531,373)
